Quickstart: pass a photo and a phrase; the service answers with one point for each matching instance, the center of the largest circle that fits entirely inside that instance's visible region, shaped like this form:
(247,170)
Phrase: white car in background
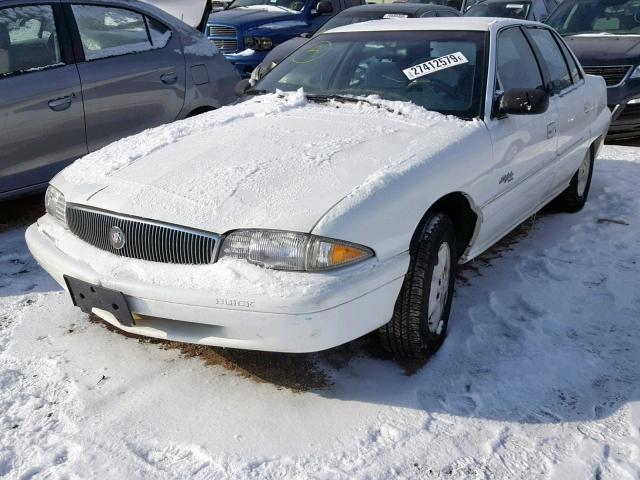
(339,197)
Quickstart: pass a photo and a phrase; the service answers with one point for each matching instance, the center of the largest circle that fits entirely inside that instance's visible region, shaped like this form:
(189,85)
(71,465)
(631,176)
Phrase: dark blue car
(248,29)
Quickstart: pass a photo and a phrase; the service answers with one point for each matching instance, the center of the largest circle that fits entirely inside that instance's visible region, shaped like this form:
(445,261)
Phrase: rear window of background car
(108,31)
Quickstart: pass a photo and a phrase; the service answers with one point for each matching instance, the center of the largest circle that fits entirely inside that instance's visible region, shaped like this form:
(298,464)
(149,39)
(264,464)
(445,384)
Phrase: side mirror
(522,102)
(324,7)
(242,86)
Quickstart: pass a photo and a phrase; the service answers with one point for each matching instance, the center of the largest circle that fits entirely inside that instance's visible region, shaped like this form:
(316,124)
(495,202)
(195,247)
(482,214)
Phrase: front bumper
(246,63)
(294,312)
(625,122)
(625,116)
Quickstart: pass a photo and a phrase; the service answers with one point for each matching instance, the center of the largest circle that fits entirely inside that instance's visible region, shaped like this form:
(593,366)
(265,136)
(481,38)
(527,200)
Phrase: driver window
(517,67)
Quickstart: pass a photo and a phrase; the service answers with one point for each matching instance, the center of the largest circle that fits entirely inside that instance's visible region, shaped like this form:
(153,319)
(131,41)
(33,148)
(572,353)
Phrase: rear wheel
(575,196)
(421,314)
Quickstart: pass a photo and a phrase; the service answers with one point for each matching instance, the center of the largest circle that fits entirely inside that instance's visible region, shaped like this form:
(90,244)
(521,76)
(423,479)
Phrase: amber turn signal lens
(344,254)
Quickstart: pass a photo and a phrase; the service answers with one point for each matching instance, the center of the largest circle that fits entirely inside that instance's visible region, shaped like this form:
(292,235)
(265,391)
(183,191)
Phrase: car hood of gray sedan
(272,162)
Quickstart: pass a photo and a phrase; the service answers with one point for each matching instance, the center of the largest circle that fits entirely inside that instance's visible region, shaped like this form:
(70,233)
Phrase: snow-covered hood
(271,162)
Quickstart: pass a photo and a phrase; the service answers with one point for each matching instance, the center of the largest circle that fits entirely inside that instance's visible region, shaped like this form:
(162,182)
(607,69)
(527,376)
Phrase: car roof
(479,24)
(408,8)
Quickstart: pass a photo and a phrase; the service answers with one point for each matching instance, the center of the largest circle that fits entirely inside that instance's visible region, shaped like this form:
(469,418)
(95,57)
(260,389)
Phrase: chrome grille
(221,31)
(145,239)
(224,38)
(613,74)
(225,46)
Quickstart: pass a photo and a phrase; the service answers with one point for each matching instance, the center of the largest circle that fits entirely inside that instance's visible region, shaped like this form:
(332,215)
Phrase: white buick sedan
(338,197)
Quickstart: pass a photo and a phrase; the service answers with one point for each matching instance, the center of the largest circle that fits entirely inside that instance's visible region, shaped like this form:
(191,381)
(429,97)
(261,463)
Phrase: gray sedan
(75,76)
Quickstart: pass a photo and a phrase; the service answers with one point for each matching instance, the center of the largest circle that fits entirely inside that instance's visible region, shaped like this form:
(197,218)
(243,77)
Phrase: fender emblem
(506,178)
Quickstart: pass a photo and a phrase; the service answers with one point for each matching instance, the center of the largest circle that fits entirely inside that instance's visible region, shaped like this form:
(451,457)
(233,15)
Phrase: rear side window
(28,39)
(559,73)
(108,31)
(573,66)
(517,67)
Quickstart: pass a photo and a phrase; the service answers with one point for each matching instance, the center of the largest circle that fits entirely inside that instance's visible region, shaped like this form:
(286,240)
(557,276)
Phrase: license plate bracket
(87,296)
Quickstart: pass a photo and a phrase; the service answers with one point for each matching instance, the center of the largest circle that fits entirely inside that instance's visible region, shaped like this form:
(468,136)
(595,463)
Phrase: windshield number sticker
(435,65)
(395,15)
(514,5)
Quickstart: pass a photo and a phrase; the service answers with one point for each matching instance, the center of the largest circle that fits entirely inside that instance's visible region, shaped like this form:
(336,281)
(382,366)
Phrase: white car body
(356,173)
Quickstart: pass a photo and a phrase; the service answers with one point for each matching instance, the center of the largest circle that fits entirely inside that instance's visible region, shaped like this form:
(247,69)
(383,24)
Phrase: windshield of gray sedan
(440,71)
(620,17)
(499,9)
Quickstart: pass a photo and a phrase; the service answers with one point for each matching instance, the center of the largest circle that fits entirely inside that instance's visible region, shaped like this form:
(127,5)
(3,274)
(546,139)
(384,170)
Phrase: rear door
(575,110)
(132,71)
(41,116)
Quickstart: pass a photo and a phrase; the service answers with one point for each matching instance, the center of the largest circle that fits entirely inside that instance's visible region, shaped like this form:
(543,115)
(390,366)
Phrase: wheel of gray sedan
(421,314)
(575,196)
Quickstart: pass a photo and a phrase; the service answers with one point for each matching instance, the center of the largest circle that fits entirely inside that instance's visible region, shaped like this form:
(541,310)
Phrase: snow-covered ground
(539,377)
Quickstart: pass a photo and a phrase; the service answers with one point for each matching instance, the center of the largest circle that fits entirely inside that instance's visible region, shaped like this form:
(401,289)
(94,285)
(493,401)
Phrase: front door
(133,73)
(524,146)
(41,116)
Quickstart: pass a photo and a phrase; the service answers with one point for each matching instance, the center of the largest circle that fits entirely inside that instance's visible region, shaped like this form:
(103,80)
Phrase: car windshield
(470,3)
(440,71)
(346,19)
(291,6)
(618,17)
(499,9)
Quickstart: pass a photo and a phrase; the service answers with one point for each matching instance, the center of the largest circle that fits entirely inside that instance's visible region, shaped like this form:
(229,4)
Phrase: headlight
(291,250)
(258,43)
(635,73)
(55,204)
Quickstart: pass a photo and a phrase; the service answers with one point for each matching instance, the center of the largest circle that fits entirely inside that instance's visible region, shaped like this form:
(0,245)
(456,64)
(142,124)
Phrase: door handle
(552,129)
(588,107)
(62,103)
(169,78)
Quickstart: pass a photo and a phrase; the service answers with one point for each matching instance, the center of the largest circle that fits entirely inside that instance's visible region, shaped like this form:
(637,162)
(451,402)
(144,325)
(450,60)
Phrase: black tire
(408,333)
(571,200)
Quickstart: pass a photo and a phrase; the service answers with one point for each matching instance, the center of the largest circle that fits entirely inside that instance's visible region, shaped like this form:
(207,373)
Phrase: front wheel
(421,314)
(573,198)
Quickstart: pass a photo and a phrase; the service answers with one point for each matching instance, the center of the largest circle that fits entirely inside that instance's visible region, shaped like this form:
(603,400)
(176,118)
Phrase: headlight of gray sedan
(292,251)
(55,204)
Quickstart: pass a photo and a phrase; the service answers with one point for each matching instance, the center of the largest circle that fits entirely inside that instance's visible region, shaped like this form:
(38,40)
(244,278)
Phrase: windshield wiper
(315,97)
